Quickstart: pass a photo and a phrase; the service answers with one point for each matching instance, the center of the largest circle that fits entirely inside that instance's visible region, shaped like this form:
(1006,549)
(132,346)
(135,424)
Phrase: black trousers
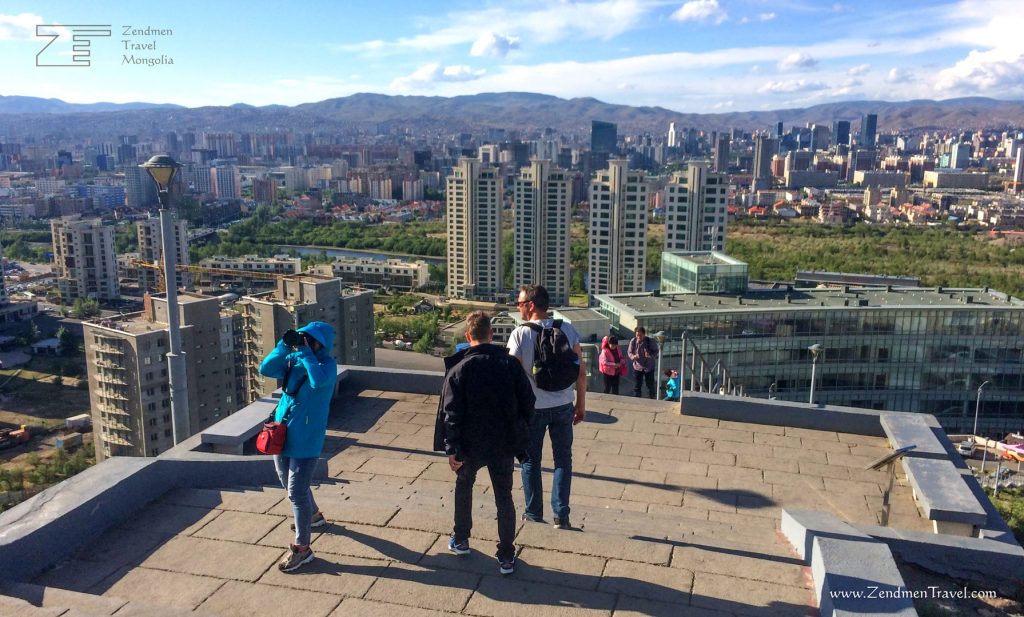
(611,384)
(641,378)
(500,469)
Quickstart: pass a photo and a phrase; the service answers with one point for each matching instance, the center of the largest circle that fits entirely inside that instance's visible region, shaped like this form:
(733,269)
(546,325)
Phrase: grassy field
(939,256)
(35,394)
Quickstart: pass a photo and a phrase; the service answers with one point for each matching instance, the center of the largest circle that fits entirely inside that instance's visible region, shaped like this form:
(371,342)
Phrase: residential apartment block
(248,271)
(695,212)
(84,259)
(542,204)
(296,301)
(151,251)
(618,230)
(474,207)
(128,383)
(394,274)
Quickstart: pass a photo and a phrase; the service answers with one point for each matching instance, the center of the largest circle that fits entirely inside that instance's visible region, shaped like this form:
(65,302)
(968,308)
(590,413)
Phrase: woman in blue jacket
(303,360)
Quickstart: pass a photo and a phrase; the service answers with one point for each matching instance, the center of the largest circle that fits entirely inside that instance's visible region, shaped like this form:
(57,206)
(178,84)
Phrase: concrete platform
(674,514)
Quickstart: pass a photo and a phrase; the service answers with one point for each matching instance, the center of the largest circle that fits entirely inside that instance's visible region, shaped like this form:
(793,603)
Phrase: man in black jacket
(483,421)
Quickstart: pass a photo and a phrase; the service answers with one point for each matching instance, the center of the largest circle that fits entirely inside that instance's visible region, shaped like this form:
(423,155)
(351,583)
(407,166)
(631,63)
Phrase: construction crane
(161,284)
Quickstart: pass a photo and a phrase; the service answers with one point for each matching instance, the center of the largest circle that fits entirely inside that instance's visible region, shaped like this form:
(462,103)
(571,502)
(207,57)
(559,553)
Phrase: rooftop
(707,258)
(675,515)
(789,299)
(674,512)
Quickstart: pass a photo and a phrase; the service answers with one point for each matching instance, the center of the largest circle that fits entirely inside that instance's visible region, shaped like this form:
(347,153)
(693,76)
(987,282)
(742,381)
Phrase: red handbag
(273,435)
(271,438)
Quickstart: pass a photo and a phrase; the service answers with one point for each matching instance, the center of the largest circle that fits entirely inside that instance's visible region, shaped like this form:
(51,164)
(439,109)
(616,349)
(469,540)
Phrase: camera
(292,338)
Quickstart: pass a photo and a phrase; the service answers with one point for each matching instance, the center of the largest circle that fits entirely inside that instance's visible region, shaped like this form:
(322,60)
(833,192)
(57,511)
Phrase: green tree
(84,308)
(68,342)
(33,333)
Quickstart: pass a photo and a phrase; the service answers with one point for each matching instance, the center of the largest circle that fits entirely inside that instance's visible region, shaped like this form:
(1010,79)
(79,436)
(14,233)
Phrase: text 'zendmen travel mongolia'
(143,46)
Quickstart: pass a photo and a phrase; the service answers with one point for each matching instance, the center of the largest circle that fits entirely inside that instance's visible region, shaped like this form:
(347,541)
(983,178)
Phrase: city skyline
(638,52)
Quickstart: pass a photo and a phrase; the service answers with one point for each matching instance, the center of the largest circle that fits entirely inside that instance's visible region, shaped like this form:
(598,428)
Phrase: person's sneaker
(296,558)
(561,523)
(507,566)
(531,519)
(462,548)
(317,521)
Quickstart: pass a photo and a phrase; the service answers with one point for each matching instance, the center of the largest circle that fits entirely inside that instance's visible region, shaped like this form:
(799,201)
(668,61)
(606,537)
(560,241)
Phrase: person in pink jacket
(611,364)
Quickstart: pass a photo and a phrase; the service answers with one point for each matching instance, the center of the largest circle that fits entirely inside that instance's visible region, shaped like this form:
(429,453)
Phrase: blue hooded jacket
(315,374)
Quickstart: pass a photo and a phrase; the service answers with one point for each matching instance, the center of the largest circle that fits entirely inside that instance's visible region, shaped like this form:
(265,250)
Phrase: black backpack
(555,364)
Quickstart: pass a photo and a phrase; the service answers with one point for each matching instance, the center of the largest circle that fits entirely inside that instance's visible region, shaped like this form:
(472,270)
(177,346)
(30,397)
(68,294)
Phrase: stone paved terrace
(677,515)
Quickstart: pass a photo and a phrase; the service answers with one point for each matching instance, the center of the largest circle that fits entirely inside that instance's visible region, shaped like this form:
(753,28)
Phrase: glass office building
(702,272)
(899,349)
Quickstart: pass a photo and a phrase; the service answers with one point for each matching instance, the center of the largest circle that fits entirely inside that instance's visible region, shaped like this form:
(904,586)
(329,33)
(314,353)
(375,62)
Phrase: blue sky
(690,56)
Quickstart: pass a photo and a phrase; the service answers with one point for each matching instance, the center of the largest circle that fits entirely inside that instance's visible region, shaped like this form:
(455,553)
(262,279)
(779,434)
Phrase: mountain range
(519,110)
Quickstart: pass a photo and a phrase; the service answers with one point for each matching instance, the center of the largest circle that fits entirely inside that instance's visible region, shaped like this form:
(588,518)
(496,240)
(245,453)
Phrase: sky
(689,56)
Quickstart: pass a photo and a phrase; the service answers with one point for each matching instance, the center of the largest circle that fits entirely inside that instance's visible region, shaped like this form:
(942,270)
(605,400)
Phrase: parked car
(966,448)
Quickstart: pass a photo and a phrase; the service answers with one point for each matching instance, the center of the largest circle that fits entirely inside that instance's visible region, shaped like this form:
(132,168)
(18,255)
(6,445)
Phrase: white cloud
(603,19)
(797,61)
(860,69)
(984,72)
(701,11)
(766,16)
(19,27)
(429,74)
(722,105)
(790,85)
(494,44)
(898,75)
(995,64)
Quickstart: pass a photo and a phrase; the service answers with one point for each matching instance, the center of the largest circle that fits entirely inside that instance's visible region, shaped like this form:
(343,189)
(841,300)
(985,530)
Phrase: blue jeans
(296,474)
(558,422)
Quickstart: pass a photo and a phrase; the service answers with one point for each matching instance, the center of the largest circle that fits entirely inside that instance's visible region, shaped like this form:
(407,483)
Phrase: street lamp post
(660,337)
(816,350)
(977,408)
(162,169)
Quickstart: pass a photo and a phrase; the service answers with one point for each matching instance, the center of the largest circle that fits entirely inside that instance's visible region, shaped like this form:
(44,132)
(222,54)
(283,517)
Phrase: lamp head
(659,336)
(162,169)
(816,350)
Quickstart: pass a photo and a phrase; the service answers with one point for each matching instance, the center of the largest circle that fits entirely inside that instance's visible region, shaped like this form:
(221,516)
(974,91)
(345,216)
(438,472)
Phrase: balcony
(111,379)
(116,440)
(110,365)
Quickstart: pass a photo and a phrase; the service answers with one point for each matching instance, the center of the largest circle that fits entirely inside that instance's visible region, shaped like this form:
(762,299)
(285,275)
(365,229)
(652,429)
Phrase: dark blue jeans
(558,422)
(296,474)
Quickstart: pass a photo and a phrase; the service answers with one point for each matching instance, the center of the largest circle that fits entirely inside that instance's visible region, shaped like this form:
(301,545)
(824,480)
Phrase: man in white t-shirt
(555,412)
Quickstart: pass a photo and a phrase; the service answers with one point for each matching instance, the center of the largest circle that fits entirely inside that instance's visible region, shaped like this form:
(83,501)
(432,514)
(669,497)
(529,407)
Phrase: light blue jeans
(296,475)
(557,421)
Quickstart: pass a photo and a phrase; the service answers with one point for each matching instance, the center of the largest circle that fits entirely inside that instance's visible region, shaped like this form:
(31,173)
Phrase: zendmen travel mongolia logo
(71,45)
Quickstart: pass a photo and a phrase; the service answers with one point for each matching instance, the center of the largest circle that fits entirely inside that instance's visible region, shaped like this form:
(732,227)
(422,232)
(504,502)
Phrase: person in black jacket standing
(483,421)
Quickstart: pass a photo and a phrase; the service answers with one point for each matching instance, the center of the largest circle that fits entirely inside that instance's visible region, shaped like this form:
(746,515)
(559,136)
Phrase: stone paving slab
(440,590)
(239,527)
(231,560)
(244,501)
(376,543)
(237,599)
(365,608)
(511,598)
(671,585)
(333,574)
(171,589)
(595,544)
(723,593)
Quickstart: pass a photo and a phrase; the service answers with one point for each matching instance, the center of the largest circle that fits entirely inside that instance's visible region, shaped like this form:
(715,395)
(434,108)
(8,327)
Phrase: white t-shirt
(521,344)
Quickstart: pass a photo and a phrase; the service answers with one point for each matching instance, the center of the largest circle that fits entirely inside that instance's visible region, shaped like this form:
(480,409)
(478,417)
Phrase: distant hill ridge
(500,110)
